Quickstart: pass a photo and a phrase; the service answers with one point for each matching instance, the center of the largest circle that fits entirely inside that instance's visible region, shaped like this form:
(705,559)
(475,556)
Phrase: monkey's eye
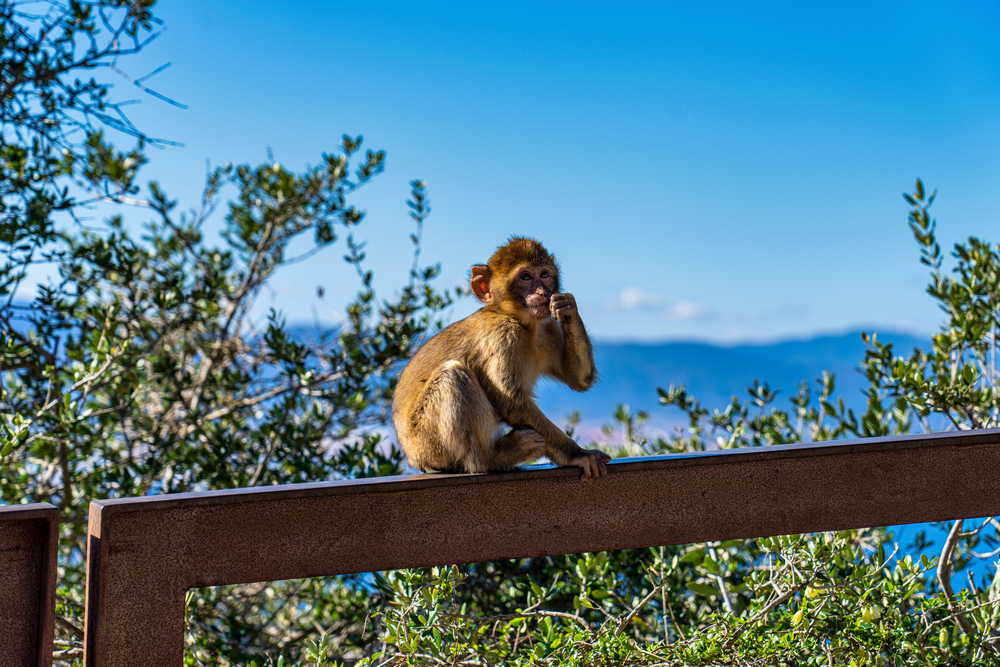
(545,274)
(525,276)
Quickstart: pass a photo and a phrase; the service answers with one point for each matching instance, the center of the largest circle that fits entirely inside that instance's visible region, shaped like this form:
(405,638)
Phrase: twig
(68,654)
(944,577)
(771,606)
(670,610)
(628,619)
(483,620)
(73,630)
(722,582)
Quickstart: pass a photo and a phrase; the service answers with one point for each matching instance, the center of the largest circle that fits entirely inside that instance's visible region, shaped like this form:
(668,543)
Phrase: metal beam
(28,539)
(145,553)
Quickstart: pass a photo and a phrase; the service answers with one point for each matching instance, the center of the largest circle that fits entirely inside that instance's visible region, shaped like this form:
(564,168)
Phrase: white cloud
(633,299)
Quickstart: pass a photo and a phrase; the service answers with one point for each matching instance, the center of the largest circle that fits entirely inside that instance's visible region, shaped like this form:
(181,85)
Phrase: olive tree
(139,363)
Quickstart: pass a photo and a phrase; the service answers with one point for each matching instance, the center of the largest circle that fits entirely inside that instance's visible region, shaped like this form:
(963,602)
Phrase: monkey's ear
(481,276)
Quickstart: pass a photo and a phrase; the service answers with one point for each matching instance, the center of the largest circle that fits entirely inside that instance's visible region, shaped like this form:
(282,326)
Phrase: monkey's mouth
(538,306)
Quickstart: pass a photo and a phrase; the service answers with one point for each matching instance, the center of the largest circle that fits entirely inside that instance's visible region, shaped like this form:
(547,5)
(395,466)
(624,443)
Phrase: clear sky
(719,171)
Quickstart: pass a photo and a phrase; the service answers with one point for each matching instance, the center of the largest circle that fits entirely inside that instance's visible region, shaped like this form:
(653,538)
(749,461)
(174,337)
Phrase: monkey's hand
(563,308)
(593,463)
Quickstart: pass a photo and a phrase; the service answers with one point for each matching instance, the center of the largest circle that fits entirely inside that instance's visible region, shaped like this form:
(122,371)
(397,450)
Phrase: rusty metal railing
(28,538)
(145,553)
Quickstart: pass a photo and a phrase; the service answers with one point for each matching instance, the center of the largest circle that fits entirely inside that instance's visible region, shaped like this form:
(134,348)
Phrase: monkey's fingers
(560,301)
(593,465)
(564,315)
(600,461)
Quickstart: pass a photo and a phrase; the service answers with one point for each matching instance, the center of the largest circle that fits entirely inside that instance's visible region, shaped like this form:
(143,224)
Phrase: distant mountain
(631,372)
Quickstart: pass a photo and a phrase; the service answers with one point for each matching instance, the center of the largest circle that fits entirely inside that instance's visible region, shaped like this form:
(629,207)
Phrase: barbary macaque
(465,383)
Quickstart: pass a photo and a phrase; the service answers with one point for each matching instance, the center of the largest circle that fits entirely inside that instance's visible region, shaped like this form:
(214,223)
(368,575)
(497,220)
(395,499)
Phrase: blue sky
(714,171)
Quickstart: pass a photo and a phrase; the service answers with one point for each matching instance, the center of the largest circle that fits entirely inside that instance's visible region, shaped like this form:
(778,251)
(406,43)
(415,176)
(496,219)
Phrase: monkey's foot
(593,464)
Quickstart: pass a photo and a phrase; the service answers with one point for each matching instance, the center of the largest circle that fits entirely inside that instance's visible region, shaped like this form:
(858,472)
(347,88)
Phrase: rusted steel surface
(144,553)
(28,539)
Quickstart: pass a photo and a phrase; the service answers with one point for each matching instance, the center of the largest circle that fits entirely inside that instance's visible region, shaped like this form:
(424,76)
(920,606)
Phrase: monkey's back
(465,342)
(453,343)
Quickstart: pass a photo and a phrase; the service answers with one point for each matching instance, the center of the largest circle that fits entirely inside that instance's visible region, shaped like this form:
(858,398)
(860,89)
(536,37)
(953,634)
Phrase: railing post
(29,537)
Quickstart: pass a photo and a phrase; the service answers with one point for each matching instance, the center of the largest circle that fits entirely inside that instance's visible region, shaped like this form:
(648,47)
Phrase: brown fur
(521,251)
(480,373)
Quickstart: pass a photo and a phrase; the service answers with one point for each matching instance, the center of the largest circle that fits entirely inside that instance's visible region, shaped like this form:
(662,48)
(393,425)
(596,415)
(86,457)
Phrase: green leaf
(709,564)
(701,589)
(693,556)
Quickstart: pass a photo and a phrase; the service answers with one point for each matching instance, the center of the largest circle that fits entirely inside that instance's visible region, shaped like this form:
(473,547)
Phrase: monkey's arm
(576,366)
(498,367)
(566,452)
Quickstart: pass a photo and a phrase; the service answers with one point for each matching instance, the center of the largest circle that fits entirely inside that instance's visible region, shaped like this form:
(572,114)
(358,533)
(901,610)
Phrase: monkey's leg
(518,446)
(455,425)
(458,427)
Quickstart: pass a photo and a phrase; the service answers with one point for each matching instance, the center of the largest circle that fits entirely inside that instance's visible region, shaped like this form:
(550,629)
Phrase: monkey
(463,385)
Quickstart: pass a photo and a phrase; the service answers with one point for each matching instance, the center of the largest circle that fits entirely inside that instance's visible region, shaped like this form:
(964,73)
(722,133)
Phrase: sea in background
(629,373)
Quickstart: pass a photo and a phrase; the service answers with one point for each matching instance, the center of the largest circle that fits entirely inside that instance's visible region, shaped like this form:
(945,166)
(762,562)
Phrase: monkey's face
(534,286)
